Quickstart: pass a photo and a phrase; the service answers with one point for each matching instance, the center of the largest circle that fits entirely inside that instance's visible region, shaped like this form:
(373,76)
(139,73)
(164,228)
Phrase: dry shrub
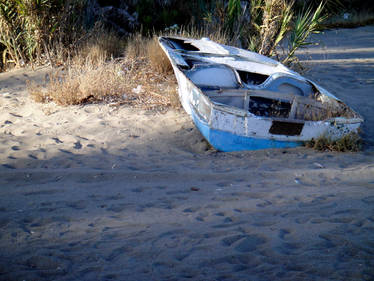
(93,54)
(214,33)
(157,57)
(81,83)
(118,82)
(154,73)
(150,89)
(143,78)
(37,92)
(351,142)
(136,47)
(99,46)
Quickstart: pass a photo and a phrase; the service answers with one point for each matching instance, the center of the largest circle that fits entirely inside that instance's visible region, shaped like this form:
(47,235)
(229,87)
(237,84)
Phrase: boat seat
(289,85)
(234,101)
(213,76)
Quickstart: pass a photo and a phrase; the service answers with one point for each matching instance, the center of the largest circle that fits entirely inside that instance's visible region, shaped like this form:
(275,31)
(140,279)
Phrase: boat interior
(277,96)
(281,97)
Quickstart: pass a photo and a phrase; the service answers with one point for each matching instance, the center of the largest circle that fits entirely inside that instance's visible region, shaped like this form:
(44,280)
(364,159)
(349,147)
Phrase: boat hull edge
(228,142)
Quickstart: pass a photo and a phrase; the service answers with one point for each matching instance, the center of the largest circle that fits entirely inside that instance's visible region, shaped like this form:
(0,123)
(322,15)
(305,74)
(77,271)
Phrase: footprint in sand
(250,243)
(46,263)
(42,192)
(117,208)
(341,220)
(228,241)
(263,222)
(77,145)
(33,157)
(139,189)
(215,234)
(15,115)
(321,202)
(66,151)
(118,196)
(264,204)
(189,273)
(201,216)
(289,248)
(165,203)
(77,205)
(328,242)
(118,252)
(228,222)
(191,210)
(303,220)
(90,272)
(283,233)
(174,192)
(318,220)
(57,140)
(4,222)
(368,200)
(9,166)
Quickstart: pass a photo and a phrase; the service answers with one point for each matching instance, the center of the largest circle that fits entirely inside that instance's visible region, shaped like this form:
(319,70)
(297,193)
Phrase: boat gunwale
(245,113)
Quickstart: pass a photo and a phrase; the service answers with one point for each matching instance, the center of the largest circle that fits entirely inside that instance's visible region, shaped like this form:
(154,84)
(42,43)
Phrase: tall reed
(305,24)
(30,30)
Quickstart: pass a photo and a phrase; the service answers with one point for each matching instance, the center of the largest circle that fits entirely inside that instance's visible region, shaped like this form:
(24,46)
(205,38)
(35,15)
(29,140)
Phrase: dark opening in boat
(191,62)
(269,107)
(181,44)
(252,78)
(286,128)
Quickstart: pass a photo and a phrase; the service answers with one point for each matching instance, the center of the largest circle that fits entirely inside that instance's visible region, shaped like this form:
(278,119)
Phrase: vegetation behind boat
(51,31)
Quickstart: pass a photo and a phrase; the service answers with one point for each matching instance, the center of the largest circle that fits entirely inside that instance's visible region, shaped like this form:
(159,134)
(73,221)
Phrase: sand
(103,193)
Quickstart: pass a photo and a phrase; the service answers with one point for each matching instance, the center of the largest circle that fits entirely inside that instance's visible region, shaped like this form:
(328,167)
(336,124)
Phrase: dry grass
(157,58)
(144,47)
(143,78)
(214,33)
(99,46)
(136,46)
(116,82)
(81,83)
(153,75)
(349,143)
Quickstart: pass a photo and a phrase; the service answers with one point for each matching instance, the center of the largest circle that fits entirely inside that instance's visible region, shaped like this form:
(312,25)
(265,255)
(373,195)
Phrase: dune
(98,192)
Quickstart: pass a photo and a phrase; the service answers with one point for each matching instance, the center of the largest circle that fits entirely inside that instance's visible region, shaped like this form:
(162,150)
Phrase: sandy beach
(98,192)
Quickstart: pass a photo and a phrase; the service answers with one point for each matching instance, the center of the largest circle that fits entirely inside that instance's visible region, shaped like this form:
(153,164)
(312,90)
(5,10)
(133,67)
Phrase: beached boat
(240,100)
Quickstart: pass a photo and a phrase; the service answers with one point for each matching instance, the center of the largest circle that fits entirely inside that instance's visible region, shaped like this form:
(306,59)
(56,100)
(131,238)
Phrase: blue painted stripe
(226,141)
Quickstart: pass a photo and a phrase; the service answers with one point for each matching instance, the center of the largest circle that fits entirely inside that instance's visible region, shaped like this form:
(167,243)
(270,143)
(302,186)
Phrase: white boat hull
(230,128)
